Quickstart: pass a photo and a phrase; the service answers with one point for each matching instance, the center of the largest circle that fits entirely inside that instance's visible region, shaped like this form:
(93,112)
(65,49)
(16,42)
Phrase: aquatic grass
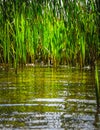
(8,43)
(51,32)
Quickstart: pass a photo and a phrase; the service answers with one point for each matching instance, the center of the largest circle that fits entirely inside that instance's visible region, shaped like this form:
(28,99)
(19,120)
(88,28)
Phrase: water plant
(51,32)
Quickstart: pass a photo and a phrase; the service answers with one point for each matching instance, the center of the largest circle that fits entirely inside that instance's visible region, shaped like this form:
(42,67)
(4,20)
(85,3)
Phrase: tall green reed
(51,32)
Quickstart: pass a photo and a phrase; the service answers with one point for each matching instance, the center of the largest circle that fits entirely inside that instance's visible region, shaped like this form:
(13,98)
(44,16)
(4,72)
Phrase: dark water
(48,99)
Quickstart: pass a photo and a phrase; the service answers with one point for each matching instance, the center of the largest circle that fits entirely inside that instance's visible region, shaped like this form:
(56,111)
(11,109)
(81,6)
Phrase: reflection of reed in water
(97,86)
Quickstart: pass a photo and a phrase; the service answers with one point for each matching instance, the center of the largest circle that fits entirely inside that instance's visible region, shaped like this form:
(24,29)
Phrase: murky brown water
(48,98)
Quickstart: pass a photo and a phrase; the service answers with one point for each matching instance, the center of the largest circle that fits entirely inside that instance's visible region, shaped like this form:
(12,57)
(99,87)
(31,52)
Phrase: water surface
(48,98)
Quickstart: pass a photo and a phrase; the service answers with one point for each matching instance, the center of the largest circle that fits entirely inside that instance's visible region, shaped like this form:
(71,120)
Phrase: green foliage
(51,31)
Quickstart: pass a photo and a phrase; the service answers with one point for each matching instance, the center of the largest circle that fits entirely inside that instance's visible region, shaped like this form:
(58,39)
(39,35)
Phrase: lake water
(48,98)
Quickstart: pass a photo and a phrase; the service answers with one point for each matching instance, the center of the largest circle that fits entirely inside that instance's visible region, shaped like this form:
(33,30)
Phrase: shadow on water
(48,98)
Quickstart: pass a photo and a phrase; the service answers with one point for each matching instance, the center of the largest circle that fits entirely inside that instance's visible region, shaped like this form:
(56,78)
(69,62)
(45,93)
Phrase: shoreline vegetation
(49,33)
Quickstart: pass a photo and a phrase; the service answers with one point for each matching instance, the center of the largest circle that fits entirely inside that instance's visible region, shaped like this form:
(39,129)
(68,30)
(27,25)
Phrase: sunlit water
(48,98)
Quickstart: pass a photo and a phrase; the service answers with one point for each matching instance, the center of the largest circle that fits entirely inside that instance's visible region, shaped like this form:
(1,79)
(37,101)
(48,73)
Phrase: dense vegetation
(49,31)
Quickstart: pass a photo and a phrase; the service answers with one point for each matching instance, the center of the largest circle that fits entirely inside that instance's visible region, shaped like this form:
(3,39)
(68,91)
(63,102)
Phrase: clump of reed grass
(54,32)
